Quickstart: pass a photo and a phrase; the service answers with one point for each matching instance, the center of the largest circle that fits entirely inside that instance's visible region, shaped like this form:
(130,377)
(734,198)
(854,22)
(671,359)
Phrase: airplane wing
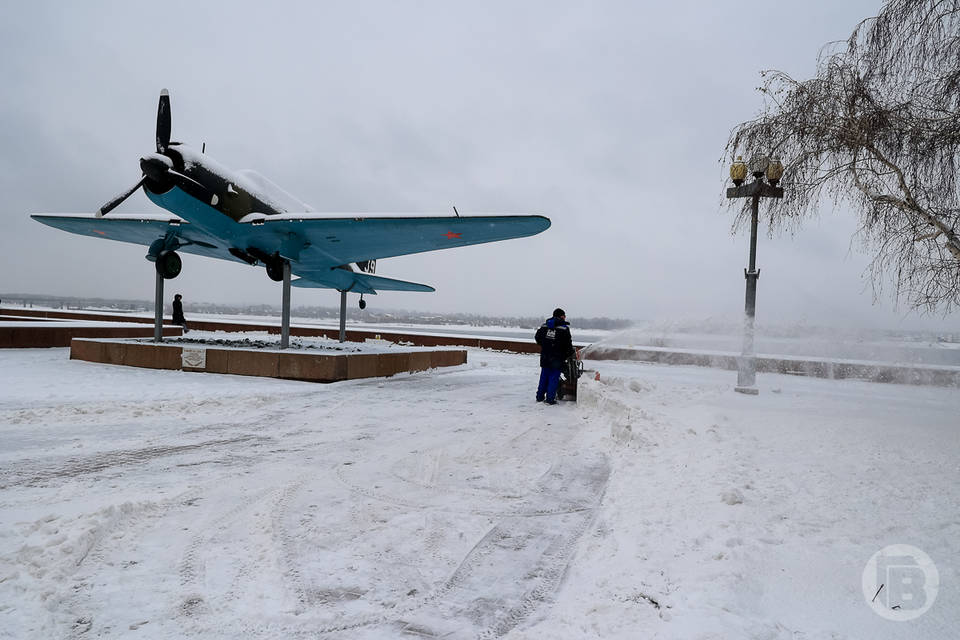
(139,229)
(356,281)
(322,240)
(315,244)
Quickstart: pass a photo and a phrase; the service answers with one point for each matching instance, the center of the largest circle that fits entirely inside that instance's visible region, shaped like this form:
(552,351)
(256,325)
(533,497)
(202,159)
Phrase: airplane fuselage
(219,200)
(220,188)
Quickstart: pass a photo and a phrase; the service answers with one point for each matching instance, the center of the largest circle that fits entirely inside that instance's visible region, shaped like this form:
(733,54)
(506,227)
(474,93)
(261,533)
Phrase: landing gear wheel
(275,270)
(363,303)
(169,264)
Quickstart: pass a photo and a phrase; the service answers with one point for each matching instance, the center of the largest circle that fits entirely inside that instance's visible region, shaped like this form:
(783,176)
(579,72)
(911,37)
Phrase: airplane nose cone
(155,166)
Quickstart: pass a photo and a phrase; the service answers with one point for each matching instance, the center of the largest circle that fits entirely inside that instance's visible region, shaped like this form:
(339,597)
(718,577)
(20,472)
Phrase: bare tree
(877,129)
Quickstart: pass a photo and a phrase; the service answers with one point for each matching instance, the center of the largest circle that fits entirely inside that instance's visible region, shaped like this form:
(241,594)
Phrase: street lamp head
(774,171)
(758,165)
(738,171)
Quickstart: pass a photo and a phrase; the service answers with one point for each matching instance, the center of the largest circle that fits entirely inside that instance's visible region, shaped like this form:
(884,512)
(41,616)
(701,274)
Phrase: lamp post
(773,170)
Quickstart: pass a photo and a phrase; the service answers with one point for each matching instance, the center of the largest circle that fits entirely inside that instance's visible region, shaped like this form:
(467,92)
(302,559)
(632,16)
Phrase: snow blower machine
(572,369)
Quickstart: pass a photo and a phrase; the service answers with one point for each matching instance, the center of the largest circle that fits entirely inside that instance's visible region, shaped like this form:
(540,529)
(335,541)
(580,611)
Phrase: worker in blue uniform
(556,345)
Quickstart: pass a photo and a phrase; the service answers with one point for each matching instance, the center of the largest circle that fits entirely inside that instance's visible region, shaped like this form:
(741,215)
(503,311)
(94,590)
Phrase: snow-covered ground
(163,504)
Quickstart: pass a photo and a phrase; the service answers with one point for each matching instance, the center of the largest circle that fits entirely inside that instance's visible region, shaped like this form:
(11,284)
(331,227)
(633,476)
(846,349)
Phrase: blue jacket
(556,344)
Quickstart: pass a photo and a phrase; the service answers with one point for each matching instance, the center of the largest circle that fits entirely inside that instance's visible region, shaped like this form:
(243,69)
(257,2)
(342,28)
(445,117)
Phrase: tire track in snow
(533,502)
(520,562)
(95,411)
(191,566)
(123,520)
(36,471)
(284,541)
(514,569)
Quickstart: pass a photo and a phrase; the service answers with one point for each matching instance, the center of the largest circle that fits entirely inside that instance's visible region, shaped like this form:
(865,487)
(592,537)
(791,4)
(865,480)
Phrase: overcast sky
(608,117)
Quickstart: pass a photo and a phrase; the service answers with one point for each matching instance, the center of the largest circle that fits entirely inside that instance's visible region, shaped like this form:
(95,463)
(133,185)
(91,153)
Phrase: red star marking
(103,233)
(451,235)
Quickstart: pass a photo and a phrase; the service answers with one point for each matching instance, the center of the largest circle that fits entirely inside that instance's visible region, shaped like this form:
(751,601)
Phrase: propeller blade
(163,122)
(113,204)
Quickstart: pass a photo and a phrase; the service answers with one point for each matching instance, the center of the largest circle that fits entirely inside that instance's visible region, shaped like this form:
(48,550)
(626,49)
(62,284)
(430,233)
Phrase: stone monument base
(286,364)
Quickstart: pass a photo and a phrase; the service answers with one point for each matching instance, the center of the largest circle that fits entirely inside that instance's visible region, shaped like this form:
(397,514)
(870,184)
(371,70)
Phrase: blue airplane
(243,217)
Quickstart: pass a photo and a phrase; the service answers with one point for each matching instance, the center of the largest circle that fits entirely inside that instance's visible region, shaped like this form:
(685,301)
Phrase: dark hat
(559,313)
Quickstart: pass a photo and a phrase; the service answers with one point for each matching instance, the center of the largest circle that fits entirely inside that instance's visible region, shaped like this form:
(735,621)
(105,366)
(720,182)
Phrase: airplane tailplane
(357,282)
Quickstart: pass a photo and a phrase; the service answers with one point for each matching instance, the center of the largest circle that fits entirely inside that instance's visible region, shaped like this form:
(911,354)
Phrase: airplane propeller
(157,167)
(113,204)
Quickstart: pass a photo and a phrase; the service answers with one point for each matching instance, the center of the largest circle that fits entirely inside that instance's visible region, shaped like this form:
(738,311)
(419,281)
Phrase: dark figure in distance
(178,313)
(556,345)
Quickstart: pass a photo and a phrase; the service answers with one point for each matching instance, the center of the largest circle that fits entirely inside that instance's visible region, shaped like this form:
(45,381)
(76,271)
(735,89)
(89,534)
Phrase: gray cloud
(608,117)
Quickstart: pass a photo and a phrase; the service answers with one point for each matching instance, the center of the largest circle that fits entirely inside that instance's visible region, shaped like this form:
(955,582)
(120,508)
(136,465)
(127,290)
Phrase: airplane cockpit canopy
(271,193)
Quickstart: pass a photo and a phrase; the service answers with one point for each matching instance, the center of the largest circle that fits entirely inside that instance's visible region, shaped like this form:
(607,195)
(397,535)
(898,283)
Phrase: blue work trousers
(549,381)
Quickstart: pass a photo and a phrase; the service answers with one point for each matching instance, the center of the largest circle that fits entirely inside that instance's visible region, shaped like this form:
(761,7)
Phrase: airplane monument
(243,217)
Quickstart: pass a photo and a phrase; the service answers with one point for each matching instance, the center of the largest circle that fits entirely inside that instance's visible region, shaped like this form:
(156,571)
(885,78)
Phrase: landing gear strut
(363,303)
